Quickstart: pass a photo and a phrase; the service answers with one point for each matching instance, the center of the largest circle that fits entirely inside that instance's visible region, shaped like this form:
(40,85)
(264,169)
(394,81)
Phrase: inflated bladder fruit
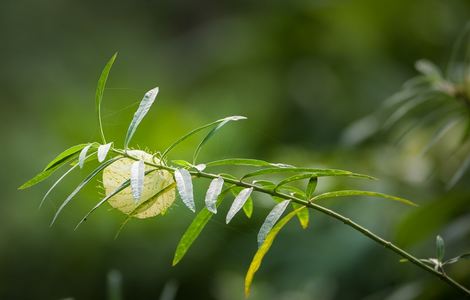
(120,171)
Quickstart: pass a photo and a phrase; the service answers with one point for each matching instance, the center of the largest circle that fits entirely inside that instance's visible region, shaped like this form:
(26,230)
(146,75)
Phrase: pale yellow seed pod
(120,171)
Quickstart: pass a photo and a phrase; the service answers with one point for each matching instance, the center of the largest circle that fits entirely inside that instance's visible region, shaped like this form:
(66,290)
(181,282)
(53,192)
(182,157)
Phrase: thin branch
(387,244)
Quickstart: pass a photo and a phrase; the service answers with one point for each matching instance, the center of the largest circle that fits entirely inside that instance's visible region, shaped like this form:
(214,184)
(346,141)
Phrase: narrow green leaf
(139,115)
(346,193)
(428,69)
(83,155)
(65,155)
(265,184)
(439,134)
(100,91)
(264,248)
(185,188)
(182,163)
(311,187)
(212,132)
(124,185)
(459,173)
(269,185)
(456,259)
(405,108)
(213,192)
(193,231)
(82,184)
(239,162)
(103,151)
(137,179)
(302,214)
(248,207)
(440,248)
(270,220)
(230,176)
(60,179)
(313,172)
(44,174)
(238,203)
(294,178)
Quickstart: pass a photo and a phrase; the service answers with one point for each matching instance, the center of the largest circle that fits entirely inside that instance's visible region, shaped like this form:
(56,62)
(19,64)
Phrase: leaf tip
(176,260)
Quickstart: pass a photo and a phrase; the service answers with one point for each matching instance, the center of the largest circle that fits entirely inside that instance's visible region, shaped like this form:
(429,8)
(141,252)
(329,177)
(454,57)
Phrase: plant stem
(387,244)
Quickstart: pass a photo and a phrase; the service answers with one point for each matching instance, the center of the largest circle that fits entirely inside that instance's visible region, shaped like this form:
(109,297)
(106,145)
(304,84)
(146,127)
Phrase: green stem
(100,122)
(387,244)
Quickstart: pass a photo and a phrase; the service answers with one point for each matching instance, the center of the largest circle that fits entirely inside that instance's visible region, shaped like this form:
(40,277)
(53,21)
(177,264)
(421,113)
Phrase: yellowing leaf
(264,248)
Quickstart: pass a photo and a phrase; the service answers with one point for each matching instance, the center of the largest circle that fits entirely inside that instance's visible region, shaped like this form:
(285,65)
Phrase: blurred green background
(301,71)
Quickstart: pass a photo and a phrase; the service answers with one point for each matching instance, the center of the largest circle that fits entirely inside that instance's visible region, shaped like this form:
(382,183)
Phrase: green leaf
(248,206)
(62,157)
(440,248)
(428,69)
(264,248)
(182,163)
(313,172)
(82,184)
(193,231)
(405,108)
(302,214)
(44,174)
(187,164)
(139,115)
(238,203)
(59,180)
(296,178)
(103,151)
(213,192)
(100,91)
(311,186)
(346,193)
(240,162)
(439,134)
(83,155)
(124,185)
(137,179)
(194,131)
(269,185)
(462,169)
(212,132)
(185,188)
(270,220)
(456,259)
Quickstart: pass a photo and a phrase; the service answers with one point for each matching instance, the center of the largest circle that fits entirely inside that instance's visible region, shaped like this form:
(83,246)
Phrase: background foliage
(301,71)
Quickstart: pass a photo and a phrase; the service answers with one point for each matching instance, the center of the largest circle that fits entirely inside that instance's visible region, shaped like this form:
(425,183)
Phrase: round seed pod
(155,200)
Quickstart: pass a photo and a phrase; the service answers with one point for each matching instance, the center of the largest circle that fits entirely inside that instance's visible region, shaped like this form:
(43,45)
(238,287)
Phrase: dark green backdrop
(301,71)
